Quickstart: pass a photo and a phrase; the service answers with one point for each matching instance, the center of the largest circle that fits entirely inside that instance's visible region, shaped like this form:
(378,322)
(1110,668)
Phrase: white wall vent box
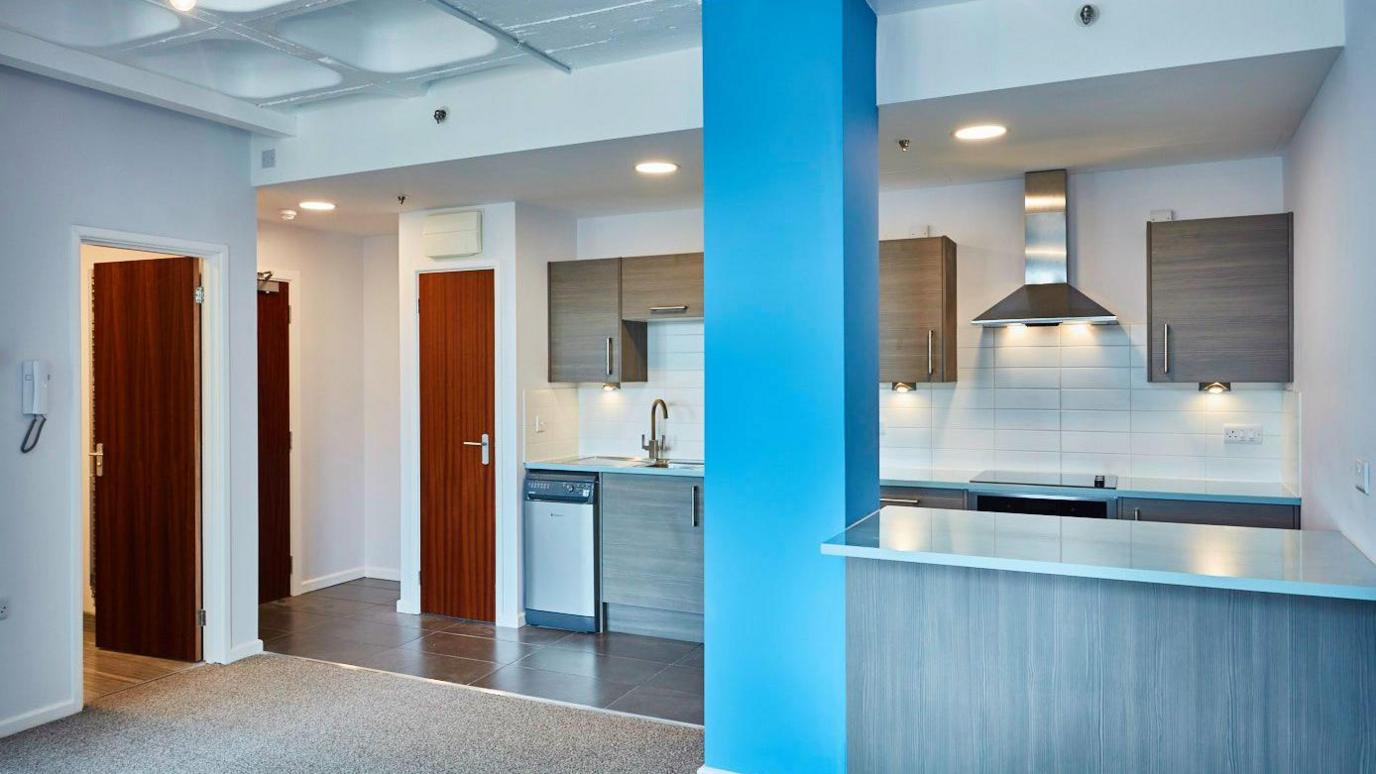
(454,234)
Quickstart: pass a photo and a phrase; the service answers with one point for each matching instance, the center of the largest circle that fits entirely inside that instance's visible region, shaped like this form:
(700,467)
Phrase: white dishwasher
(561,550)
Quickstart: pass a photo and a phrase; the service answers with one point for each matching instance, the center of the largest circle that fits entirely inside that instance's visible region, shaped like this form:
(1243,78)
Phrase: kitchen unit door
(652,554)
(917,310)
(662,287)
(1202,512)
(588,339)
(1219,299)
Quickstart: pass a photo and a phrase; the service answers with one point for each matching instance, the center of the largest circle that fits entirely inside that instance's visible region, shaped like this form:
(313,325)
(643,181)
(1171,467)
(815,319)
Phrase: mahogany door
(457,498)
(146,489)
(274,442)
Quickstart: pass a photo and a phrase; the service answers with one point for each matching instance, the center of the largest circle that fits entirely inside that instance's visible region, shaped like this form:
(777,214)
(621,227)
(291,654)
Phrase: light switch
(1361,476)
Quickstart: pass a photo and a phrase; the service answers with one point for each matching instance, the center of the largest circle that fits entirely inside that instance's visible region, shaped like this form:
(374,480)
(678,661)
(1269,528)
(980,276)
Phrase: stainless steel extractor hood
(1047,297)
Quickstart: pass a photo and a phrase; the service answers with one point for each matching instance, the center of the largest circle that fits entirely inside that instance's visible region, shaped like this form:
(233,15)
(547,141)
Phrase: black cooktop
(1026,478)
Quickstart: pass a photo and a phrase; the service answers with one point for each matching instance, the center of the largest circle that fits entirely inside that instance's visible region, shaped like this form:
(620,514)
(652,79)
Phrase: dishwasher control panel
(560,489)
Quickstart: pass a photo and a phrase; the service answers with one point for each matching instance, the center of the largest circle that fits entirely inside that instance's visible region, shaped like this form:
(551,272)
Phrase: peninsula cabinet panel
(588,340)
(1219,299)
(1203,512)
(662,287)
(917,310)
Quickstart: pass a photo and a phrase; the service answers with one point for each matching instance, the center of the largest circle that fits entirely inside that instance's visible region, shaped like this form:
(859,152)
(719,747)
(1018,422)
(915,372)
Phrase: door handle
(99,455)
(1165,348)
(930,368)
(486,445)
(609,356)
(693,506)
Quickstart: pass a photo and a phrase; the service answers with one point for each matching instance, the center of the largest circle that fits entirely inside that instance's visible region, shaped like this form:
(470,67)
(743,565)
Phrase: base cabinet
(652,555)
(1202,512)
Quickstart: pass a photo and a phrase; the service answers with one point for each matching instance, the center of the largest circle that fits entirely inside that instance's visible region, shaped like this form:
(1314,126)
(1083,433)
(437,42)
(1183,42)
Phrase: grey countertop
(1128,486)
(1308,563)
(617,465)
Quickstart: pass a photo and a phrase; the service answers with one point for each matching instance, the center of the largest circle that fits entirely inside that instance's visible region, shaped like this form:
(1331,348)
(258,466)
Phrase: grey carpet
(277,713)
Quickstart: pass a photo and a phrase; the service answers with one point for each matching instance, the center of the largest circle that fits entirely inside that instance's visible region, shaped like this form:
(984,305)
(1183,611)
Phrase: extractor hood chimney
(1047,297)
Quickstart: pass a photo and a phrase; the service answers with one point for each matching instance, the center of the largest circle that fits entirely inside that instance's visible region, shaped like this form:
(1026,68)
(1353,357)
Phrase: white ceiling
(279,53)
(1237,109)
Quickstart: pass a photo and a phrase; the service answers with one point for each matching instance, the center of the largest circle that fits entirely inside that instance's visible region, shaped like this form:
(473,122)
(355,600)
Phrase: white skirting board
(333,579)
(38,717)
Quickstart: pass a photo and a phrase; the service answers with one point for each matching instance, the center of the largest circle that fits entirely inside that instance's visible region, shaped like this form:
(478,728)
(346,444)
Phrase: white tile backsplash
(1073,399)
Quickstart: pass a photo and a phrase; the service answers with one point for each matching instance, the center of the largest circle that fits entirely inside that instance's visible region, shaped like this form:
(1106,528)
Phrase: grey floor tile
(361,594)
(378,583)
(679,678)
(588,664)
(477,648)
(387,614)
(323,605)
(628,645)
(367,632)
(432,665)
(530,635)
(289,619)
(661,703)
(693,659)
(554,685)
(311,645)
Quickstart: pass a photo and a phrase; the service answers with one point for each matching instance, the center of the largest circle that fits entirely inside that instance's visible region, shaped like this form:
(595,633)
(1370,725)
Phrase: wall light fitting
(1215,388)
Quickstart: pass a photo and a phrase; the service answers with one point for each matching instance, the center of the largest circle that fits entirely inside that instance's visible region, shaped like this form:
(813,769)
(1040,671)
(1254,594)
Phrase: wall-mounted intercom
(34,377)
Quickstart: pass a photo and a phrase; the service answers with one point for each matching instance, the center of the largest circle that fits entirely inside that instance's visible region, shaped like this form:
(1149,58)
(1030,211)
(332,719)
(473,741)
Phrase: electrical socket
(1361,476)
(1242,433)
(4,608)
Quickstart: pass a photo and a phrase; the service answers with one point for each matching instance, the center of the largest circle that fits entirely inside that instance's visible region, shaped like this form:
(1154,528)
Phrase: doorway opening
(141,395)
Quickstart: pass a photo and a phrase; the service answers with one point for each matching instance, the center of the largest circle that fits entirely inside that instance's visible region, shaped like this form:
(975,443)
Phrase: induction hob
(1027,478)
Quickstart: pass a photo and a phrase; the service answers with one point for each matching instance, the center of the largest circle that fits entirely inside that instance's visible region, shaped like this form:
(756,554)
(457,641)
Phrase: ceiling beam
(453,10)
(30,54)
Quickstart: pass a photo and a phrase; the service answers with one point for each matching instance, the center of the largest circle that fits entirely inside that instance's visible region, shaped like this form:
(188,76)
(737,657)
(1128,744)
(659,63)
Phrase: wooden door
(457,498)
(662,287)
(146,492)
(1223,286)
(588,340)
(917,310)
(274,442)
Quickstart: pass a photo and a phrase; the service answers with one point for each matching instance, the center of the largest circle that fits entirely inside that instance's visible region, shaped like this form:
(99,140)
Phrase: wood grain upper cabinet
(588,339)
(661,287)
(1219,299)
(917,310)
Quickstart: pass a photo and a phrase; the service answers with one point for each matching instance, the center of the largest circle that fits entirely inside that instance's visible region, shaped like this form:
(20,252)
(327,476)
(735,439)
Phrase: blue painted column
(791,198)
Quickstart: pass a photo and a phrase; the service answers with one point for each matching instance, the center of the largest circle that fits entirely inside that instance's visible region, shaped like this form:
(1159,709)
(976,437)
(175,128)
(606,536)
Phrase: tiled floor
(357,623)
(106,671)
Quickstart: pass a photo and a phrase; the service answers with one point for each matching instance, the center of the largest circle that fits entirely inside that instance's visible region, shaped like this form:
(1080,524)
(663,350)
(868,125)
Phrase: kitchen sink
(609,461)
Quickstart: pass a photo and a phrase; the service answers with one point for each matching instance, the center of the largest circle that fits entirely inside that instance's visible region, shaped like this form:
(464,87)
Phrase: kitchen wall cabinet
(1201,512)
(1219,299)
(652,554)
(922,497)
(917,310)
(589,341)
(662,287)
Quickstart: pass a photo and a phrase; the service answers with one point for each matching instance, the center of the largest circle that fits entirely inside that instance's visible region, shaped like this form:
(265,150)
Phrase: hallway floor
(356,623)
(106,671)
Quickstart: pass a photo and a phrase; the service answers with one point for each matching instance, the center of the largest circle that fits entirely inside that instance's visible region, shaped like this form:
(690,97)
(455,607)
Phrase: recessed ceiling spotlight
(981,132)
(288,214)
(318,206)
(656,167)
(182,5)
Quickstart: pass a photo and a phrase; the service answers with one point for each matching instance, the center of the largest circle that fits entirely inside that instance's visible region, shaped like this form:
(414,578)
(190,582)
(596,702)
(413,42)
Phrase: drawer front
(1201,512)
(923,497)
(652,546)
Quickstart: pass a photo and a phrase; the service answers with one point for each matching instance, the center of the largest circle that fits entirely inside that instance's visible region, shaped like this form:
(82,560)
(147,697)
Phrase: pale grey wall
(70,156)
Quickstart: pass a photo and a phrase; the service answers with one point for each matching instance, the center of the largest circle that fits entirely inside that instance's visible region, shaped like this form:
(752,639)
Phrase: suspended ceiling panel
(280,53)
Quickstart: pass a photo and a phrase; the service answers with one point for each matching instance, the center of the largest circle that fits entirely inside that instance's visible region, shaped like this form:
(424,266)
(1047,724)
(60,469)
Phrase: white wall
(1043,399)
(1331,185)
(381,411)
(75,157)
(329,433)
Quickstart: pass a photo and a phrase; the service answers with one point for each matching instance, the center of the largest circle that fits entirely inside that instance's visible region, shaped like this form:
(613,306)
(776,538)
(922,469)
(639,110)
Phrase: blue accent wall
(791,200)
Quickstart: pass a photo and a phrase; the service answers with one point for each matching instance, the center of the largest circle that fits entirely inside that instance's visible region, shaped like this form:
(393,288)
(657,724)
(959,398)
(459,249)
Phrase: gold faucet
(656,446)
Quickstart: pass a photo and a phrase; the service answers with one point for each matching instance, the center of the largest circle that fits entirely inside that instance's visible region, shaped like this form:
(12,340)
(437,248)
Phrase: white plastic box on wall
(454,234)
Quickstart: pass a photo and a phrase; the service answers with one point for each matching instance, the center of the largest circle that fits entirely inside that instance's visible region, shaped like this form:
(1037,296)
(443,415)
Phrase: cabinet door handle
(930,368)
(1136,514)
(680,309)
(609,356)
(914,502)
(1165,348)
(693,506)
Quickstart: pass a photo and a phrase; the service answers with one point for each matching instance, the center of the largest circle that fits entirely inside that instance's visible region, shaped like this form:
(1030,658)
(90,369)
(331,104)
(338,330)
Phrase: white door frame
(215,497)
(503,441)
(293,279)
